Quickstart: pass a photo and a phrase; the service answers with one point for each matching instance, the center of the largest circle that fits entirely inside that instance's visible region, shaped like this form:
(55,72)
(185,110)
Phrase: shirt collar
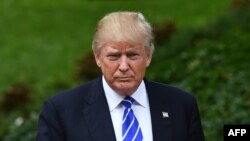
(114,99)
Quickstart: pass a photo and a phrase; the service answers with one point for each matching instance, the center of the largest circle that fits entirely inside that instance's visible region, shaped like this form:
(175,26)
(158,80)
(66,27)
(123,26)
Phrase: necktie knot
(128,101)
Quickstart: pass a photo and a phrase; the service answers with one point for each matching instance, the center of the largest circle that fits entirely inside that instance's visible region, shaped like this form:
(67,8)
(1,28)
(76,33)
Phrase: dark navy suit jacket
(82,114)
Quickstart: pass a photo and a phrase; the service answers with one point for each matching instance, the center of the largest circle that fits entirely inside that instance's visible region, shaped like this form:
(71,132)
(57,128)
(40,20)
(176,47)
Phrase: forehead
(122,46)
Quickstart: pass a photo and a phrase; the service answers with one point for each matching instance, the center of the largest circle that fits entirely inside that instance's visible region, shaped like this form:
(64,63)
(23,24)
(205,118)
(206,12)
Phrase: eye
(113,57)
(133,56)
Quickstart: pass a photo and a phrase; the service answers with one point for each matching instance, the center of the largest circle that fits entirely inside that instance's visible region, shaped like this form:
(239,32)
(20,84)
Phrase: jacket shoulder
(168,91)
(79,94)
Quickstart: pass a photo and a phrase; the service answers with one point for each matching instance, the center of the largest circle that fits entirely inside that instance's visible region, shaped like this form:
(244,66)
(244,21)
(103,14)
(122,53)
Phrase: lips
(124,78)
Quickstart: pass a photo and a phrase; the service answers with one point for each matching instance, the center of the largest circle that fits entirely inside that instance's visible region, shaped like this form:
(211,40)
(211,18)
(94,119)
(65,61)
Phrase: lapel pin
(165,115)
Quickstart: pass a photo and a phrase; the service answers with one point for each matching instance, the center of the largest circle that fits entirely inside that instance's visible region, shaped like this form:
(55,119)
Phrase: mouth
(124,79)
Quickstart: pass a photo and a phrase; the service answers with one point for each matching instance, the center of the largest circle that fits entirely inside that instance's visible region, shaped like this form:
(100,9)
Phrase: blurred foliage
(23,129)
(201,47)
(86,68)
(213,64)
(15,98)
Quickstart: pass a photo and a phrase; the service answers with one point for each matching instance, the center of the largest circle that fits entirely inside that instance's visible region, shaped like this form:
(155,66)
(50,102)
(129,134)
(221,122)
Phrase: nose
(123,65)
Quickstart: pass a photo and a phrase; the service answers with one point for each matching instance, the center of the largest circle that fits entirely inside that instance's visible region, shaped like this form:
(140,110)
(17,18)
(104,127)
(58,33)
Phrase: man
(121,105)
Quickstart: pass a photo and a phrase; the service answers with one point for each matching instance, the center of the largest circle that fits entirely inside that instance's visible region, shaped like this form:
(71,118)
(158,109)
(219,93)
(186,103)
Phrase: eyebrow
(114,49)
(134,50)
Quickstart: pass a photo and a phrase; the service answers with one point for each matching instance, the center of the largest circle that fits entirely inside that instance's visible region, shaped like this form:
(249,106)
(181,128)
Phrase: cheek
(140,67)
(108,68)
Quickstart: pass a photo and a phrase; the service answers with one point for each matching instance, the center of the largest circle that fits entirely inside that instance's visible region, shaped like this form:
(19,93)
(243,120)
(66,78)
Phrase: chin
(125,89)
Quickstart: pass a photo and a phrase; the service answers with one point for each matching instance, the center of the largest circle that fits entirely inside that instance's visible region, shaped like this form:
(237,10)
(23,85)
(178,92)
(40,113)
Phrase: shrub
(213,64)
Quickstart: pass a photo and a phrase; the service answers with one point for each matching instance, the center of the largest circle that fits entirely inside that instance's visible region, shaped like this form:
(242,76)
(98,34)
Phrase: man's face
(123,65)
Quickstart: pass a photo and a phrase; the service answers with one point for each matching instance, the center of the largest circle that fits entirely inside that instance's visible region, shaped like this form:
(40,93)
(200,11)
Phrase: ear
(149,60)
(97,59)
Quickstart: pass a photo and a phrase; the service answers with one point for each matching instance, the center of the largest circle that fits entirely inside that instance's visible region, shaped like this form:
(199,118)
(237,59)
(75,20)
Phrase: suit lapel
(97,115)
(98,119)
(160,114)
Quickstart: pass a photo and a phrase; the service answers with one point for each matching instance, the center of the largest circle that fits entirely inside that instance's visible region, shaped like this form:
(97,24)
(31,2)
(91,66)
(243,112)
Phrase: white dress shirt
(140,107)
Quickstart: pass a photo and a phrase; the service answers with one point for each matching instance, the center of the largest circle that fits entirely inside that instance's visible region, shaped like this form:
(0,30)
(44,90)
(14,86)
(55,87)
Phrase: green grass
(41,41)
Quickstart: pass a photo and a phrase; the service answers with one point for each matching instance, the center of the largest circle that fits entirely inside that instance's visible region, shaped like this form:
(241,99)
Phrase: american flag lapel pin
(165,115)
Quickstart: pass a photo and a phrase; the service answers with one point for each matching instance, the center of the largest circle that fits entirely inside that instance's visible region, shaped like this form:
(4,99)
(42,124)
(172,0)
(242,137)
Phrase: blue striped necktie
(131,130)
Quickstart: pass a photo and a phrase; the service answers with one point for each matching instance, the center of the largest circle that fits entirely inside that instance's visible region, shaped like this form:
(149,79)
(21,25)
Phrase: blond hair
(123,26)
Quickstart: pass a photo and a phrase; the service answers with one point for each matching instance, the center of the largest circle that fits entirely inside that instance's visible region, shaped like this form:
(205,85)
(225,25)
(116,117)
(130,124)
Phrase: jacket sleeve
(49,127)
(195,126)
